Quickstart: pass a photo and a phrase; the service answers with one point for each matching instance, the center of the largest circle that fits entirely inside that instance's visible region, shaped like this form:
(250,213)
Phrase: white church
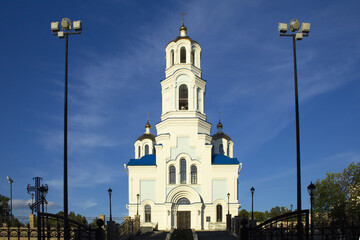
(183,177)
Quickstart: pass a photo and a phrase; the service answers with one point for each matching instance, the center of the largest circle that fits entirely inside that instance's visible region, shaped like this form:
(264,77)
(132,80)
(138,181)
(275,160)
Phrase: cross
(219,116)
(183,14)
(35,189)
(147,117)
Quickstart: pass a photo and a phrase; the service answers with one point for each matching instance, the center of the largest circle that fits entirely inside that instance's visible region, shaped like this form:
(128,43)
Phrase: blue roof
(147,160)
(221,159)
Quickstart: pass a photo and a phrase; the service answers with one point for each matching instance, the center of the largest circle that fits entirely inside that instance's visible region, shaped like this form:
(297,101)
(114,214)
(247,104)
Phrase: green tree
(337,197)
(244,213)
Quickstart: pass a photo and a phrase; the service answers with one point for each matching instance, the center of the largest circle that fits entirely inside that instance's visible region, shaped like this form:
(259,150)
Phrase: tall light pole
(311,191)
(110,192)
(297,34)
(11,182)
(66,30)
(137,203)
(228,195)
(252,190)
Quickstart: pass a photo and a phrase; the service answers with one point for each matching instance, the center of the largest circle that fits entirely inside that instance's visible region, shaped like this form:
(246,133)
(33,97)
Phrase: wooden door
(183,220)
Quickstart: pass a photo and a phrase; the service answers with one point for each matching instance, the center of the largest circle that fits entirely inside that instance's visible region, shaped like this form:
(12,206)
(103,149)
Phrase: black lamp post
(252,190)
(11,182)
(297,34)
(110,192)
(228,195)
(137,203)
(291,206)
(66,30)
(311,190)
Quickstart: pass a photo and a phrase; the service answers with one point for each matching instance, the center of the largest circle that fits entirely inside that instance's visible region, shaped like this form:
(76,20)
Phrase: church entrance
(183,220)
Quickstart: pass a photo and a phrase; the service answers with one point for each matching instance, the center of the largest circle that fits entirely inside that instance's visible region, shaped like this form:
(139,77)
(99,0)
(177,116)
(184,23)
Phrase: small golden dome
(147,125)
(183,28)
(219,125)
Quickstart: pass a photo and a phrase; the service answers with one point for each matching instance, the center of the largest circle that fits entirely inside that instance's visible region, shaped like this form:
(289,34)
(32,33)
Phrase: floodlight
(77,25)
(305,27)
(299,36)
(60,34)
(55,26)
(294,25)
(9,179)
(66,23)
(282,27)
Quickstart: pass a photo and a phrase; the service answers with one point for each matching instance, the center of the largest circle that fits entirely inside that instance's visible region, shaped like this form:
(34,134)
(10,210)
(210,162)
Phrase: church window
(183,55)
(218,213)
(146,149)
(193,174)
(221,148)
(183,201)
(147,213)
(139,152)
(193,57)
(198,99)
(182,171)
(183,97)
(228,149)
(172,178)
(172,57)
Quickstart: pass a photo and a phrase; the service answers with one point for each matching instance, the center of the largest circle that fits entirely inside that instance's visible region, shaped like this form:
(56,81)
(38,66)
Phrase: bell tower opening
(183,55)
(183,97)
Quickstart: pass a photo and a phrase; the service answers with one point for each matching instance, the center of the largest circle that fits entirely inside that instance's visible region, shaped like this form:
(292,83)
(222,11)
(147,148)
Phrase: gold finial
(183,14)
(219,125)
(147,124)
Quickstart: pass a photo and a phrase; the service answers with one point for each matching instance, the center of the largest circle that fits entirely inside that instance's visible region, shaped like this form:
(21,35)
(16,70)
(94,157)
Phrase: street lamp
(137,203)
(252,190)
(32,202)
(311,191)
(228,195)
(11,182)
(110,192)
(291,206)
(297,33)
(66,30)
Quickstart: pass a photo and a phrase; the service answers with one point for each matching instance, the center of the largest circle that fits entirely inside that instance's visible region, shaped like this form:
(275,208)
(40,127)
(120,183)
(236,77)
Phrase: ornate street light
(137,203)
(297,33)
(67,28)
(110,192)
(311,191)
(252,190)
(11,182)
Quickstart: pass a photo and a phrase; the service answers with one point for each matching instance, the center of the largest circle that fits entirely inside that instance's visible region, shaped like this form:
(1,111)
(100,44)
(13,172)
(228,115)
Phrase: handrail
(283,216)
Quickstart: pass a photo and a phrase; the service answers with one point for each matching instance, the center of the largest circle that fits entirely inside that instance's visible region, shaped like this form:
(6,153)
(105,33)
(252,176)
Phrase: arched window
(221,148)
(172,57)
(228,149)
(193,57)
(182,171)
(183,201)
(193,174)
(172,172)
(218,213)
(147,213)
(139,149)
(183,97)
(146,149)
(198,99)
(182,55)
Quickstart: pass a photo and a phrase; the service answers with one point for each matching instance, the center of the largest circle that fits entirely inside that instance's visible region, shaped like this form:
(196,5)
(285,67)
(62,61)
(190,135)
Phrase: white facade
(182,176)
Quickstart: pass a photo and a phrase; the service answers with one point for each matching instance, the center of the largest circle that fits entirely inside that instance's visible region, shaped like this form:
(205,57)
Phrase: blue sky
(115,68)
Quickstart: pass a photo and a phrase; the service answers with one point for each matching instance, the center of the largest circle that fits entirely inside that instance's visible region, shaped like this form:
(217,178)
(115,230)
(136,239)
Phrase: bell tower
(183,89)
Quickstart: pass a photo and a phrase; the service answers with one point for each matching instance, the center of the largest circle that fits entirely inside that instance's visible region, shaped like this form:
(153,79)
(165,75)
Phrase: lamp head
(55,27)
(9,179)
(252,190)
(294,25)
(66,24)
(228,195)
(282,28)
(311,189)
(110,191)
(77,26)
(305,27)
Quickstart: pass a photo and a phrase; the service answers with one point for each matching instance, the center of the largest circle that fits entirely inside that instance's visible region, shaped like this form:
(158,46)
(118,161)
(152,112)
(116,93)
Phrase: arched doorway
(183,217)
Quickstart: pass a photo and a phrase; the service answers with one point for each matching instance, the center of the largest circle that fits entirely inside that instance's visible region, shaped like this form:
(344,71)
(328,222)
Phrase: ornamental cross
(183,14)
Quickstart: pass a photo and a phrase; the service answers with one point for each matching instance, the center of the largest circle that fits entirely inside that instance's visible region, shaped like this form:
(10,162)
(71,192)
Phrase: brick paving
(215,235)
